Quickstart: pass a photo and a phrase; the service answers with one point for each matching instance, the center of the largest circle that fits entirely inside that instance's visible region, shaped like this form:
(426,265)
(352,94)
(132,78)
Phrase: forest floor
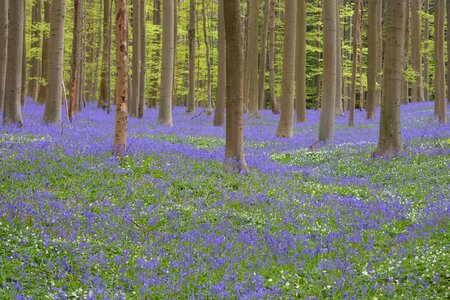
(166,221)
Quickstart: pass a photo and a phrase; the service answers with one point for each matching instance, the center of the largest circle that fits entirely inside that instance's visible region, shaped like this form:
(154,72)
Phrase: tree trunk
(285,127)
(156,56)
(252,59)
(36,43)
(300,62)
(167,68)
(143,44)
(45,62)
(120,131)
(390,140)
(426,60)
(219,114)
(416,41)
(52,113)
(448,50)
(326,125)
(439,62)
(234,141)
(405,85)
(135,82)
(372,70)
(191,105)
(263,58)
(338,99)
(105,77)
(13,85)
(208,58)
(356,41)
(379,53)
(3,49)
(76,58)
(273,99)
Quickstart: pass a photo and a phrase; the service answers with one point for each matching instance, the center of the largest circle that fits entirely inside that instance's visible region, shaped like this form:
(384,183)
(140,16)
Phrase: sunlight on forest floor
(166,221)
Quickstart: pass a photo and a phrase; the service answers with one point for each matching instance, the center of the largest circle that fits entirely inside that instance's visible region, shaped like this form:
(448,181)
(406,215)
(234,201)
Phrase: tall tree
(75,72)
(136,68)
(390,140)
(263,57)
(208,57)
(120,131)
(11,108)
(439,62)
(416,41)
(300,62)
(326,125)
(222,79)
(372,70)
(448,49)
(104,99)
(405,84)
(285,126)
(191,105)
(36,43)
(252,58)
(3,48)
(273,100)
(338,100)
(356,41)
(52,113)
(426,60)
(45,61)
(167,68)
(143,57)
(156,55)
(234,141)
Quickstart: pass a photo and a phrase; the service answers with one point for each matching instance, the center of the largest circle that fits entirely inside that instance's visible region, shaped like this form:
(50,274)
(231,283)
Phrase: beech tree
(191,104)
(416,59)
(104,99)
(3,48)
(300,62)
(234,140)
(390,140)
(36,43)
(13,85)
(52,113)
(372,70)
(136,68)
(252,59)
(76,68)
(45,58)
(222,79)
(440,109)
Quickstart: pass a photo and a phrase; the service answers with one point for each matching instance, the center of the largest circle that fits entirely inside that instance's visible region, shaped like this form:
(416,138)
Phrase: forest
(224,149)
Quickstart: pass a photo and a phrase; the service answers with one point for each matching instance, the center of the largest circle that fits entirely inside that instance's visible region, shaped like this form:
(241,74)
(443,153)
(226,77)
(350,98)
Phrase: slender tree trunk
(300,62)
(448,50)
(167,68)
(36,43)
(416,59)
(356,41)
(273,99)
(191,105)
(120,131)
(439,62)
(52,113)
(156,55)
(338,99)
(45,62)
(23,90)
(326,125)
(390,140)
(379,54)
(134,99)
(405,85)
(219,114)
(361,60)
(3,49)
(372,58)
(76,58)
(234,141)
(105,77)
(175,38)
(263,58)
(13,85)
(252,59)
(285,126)
(208,58)
(426,60)
(143,44)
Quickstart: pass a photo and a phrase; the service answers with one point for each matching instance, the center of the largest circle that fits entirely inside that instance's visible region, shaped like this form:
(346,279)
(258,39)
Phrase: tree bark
(356,41)
(75,79)
(191,105)
(105,77)
(426,60)
(3,49)
(167,68)
(45,62)
(285,126)
(372,70)
(416,59)
(273,99)
(252,59)
(36,43)
(143,44)
(300,62)
(234,141)
(338,99)
(136,77)
(405,85)
(120,131)
(13,85)
(156,56)
(327,113)
(390,140)
(52,113)
(439,62)
(263,58)
(219,114)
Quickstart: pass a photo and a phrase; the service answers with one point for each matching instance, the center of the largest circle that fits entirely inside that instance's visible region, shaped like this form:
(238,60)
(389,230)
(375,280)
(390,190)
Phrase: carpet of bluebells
(166,221)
